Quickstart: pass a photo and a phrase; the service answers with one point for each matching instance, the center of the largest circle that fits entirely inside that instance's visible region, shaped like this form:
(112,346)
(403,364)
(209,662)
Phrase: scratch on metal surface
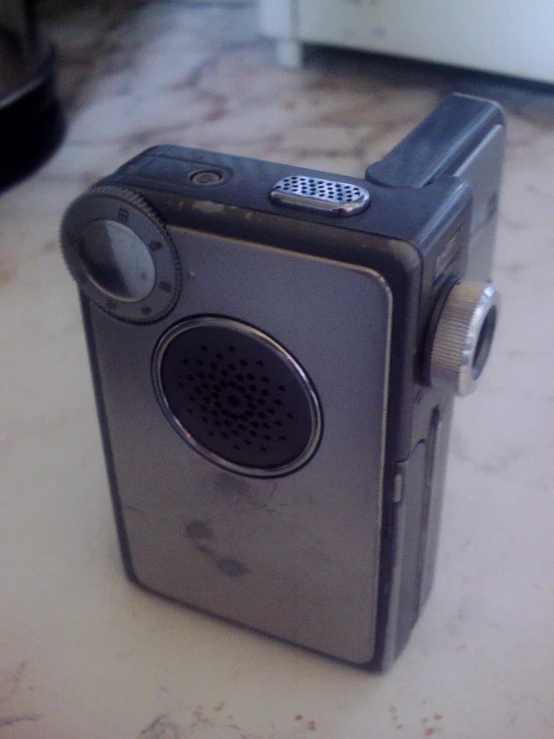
(10,684)
(160,728)
(17,718)
(208,207)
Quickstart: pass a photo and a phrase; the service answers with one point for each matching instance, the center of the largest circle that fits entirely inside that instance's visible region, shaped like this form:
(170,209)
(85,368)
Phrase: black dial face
(116,260)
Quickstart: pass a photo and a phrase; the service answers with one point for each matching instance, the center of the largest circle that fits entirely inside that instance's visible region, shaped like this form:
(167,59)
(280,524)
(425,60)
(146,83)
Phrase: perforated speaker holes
(337,192)
(327,196)
(236,396)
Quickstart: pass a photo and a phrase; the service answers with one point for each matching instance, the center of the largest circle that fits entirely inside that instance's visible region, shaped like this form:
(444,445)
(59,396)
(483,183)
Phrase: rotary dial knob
(463,336)
(120,254)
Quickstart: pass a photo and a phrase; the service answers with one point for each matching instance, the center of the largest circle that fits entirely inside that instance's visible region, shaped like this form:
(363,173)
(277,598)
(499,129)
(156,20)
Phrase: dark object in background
(275,353)
(31,121)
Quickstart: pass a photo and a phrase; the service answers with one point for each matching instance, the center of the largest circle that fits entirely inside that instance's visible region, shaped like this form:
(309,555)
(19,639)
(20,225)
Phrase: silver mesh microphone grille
(327,196)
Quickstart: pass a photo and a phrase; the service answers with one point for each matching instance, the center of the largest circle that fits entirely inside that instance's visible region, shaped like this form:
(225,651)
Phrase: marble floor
(84,653)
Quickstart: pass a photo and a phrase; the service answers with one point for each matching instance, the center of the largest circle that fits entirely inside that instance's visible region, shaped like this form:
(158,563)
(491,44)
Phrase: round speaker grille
(237,396)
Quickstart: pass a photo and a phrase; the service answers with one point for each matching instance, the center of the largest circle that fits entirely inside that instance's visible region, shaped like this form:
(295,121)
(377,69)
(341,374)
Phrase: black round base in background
(31,120)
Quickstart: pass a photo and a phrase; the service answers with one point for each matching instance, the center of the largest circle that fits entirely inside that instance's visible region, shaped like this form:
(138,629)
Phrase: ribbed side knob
(463,336)
(121,255)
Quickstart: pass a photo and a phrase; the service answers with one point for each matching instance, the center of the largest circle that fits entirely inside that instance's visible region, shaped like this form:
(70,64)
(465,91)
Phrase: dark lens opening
(484,343)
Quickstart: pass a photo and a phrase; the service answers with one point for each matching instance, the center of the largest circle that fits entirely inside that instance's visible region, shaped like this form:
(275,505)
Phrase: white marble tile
(83,653)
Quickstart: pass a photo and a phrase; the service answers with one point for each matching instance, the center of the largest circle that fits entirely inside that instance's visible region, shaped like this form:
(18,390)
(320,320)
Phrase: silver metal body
(301,498)
(296,556)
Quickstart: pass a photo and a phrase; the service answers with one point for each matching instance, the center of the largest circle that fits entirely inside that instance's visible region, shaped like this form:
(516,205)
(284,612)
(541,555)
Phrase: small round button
(206,177)
(116,260)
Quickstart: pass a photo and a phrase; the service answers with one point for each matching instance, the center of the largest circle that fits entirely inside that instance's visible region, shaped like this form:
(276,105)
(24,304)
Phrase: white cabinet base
(289,53)
(491,35)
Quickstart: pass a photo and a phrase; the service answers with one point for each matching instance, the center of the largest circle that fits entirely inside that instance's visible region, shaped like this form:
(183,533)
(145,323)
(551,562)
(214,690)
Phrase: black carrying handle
(439,145)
